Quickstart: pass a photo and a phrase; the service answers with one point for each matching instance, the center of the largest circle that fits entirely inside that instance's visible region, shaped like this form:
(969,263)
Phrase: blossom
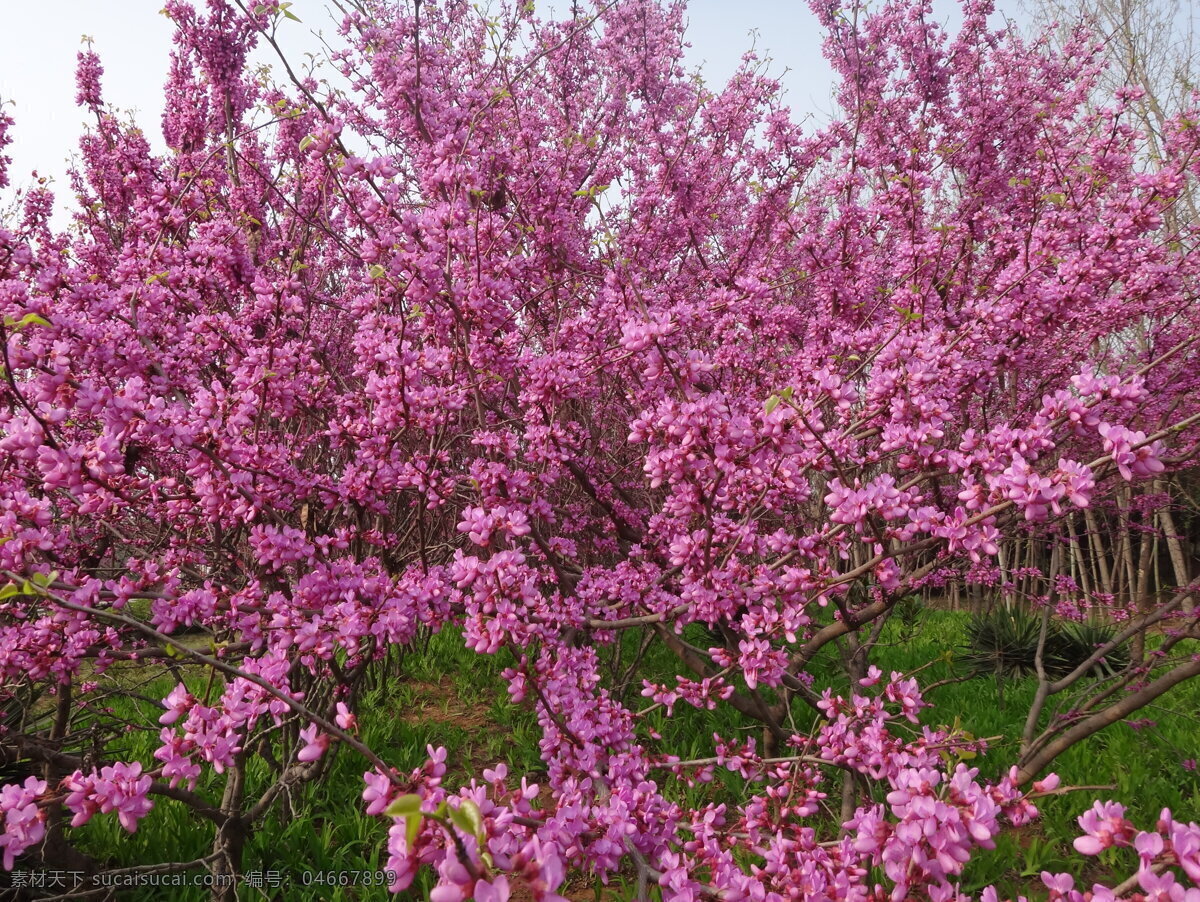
(1131,452)
(119,787)
(24,821)
(1104,825)
(315,744)
(559,353)
(345,718)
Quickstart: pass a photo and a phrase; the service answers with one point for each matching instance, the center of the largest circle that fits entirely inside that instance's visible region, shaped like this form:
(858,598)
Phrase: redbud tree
(524,331)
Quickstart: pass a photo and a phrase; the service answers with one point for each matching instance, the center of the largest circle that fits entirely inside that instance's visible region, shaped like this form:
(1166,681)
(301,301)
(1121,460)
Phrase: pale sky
(39,41)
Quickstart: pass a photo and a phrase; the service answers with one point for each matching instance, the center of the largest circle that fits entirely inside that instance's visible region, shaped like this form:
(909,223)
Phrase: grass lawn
(450,696)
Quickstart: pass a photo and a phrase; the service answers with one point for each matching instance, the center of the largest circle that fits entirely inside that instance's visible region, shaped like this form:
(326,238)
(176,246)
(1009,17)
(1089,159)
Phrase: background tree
(1149,47)
(530,335)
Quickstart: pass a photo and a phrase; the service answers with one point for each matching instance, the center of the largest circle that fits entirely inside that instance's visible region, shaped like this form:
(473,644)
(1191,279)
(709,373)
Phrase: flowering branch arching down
(528,332)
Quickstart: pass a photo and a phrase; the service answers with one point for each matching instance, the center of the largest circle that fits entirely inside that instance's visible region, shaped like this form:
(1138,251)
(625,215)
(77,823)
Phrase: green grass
(450,696)
(1143,766)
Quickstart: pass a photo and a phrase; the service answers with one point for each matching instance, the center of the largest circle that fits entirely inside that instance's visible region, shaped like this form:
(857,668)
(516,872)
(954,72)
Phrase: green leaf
(29,319)
(9,591)
(305,142)
(774,400)
(42,580)
(404,806)
(468,818)
(377,272)
(412,826)
(910,316)
(593,191)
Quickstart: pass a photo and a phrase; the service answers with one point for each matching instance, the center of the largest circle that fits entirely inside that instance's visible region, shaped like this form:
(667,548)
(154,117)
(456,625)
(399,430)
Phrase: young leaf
(403,806)
(412,826)
(468,818)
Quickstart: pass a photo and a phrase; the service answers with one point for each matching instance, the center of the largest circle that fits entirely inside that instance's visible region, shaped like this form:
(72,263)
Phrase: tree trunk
(1175,551)
(230,841)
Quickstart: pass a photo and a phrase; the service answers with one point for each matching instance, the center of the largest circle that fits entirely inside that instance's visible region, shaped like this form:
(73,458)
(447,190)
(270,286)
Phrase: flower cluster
(1170,844)
(24,820)
(119,787)
(527,337)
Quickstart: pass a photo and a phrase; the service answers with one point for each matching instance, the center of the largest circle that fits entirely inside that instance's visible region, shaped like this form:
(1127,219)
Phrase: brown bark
(1032,764)
(230,841)
(1178,559)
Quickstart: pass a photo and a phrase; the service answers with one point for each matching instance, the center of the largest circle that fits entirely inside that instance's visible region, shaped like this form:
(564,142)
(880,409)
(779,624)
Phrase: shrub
(1005,643)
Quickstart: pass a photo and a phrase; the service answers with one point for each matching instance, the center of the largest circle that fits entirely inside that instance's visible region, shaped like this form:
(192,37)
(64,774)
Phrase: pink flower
(24,822)
(1104,826)
(315,744)
(119,787)
(1058,884)
(1049,783)
(345,719)
(1132,460)
(378,793)
(495,890)
(874,674)
(177,703)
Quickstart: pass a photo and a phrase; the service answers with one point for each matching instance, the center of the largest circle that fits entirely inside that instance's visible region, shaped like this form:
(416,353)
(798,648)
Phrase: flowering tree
(530,333)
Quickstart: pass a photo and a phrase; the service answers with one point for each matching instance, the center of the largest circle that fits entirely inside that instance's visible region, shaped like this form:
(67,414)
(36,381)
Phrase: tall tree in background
(1152,64)
(530,335)
(1150,46)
